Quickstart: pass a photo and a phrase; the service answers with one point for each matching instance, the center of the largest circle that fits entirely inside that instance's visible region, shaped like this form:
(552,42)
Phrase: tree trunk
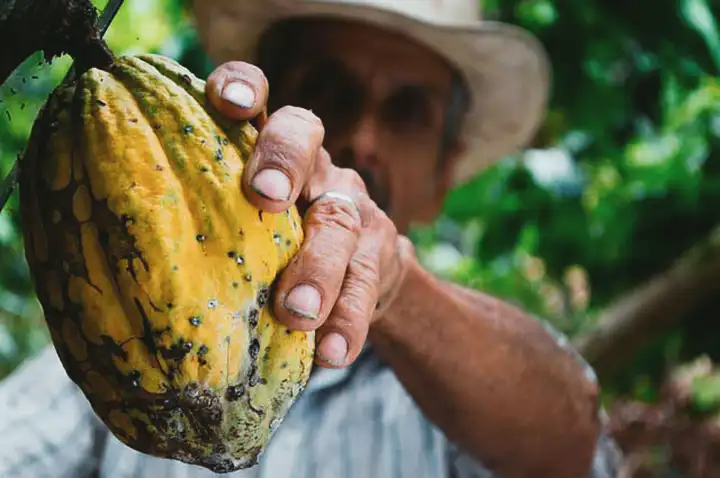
(628,324)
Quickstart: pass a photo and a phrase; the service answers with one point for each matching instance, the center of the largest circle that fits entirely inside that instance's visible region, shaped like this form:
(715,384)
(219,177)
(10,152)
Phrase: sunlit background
(610,216)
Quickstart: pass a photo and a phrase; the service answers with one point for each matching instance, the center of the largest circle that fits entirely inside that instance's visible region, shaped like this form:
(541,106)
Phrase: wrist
(401,291)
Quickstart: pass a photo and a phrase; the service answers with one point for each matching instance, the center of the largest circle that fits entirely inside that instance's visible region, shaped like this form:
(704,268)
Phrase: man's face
(382,100)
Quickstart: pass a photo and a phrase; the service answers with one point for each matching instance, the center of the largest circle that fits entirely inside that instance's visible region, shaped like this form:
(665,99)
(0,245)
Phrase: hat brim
(504,66)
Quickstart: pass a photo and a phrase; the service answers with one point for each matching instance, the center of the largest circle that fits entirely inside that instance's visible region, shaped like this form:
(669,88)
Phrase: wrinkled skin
(449,346)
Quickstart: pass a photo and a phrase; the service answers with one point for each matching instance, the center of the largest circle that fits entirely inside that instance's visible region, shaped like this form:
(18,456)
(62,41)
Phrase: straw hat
(505,67)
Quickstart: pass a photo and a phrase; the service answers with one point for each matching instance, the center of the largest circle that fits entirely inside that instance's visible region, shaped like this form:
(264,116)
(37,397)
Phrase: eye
(408,107)
(330,91)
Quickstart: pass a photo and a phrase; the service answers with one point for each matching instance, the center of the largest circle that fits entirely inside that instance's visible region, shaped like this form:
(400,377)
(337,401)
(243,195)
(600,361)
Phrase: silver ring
(338,195)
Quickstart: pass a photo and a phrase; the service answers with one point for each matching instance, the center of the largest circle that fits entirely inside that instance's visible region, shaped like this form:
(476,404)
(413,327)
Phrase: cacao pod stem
(68,26)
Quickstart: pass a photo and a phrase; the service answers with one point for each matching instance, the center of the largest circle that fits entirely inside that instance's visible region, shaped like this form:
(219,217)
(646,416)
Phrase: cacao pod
(154,271)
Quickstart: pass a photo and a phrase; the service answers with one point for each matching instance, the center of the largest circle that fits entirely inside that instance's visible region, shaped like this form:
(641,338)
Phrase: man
(377,109)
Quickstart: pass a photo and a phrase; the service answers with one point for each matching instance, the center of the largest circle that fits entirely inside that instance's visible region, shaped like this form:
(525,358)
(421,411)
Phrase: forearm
(492,378)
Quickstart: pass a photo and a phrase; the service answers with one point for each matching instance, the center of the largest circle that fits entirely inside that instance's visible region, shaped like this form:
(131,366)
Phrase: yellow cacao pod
(154,271)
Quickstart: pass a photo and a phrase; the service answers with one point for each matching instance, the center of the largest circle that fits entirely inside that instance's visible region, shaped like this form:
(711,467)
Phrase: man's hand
(352,257)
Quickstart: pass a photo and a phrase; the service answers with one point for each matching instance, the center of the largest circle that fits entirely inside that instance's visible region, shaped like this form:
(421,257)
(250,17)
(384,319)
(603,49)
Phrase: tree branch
(55,27)
(629,323)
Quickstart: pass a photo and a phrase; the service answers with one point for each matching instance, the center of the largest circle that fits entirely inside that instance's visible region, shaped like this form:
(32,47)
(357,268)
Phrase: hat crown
(438,11)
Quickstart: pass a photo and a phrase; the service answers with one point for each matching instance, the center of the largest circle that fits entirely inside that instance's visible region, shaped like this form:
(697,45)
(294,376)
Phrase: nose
(363,141)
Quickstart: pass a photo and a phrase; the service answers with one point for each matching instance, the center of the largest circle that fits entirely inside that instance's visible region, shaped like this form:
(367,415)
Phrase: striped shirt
(357,422)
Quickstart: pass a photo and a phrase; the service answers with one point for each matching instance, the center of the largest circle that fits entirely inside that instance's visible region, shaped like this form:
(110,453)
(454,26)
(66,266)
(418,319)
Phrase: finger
(283,158)
(341,337)
(238,90)
(309,285)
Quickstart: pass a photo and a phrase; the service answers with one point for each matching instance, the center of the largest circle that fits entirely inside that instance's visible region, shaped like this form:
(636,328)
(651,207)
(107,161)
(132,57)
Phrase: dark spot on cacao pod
(202,350)
(254,348)
(288,242)
(231,254)
(240,260)
(288,331)
(248,277)
(157,126)
(260,213)
(200,237)
(100,103)
(212,303)
(169,305)
(276,238)
(186,78)
(234,392)
(187,129)
(253,375)
(253,317)
(159,332)
(204,169)
(159,168)
(284,365)
(134,377)
(194,321)
(178,350)
(263,296)
(113,347)
(219,448)
(224,466)
(235,284)
(219,155)
(104,238)
(192,390)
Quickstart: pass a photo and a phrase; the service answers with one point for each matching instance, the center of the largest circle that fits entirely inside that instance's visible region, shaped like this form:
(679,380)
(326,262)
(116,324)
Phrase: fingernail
(239,94)
(333,349)
(304,300)
(272,184)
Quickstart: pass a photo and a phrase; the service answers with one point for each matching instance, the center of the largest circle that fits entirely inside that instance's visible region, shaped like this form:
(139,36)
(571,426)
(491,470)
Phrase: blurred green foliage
(624,177)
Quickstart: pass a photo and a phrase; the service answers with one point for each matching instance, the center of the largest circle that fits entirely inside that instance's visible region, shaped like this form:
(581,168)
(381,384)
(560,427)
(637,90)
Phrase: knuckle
(335,214)
(240,69)
(383,222)
(363,272)
(353,179)
(354,305)
(344,320)
(296,113)
(357,300)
